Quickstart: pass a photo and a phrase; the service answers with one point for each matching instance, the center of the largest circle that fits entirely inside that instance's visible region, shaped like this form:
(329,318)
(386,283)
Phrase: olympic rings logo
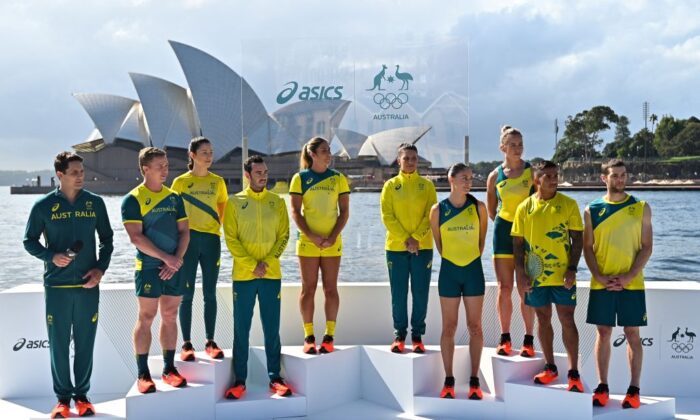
(682,347)
(390,100)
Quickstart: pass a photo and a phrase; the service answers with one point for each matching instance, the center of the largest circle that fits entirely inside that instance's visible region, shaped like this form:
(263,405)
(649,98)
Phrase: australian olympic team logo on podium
(393,100)
(682,343)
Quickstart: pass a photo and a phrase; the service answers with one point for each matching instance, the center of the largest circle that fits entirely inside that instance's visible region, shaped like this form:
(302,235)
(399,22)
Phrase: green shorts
(502,241)
(150,285)
(546,295)
(628,306)
(456,281)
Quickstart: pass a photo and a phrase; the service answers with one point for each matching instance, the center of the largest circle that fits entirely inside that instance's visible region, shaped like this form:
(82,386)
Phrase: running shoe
(280,388)
(173,378)
(418,346)
(504,348)
(235,392)
(326,345)
(601,396)
(62,410)
(475,393)
(398,345)
(145,384)
(187,352)
(575,384)
(213,350)
(527,350)
(631,401)
(310,345)
(447,392)
(84,406)
(547,375)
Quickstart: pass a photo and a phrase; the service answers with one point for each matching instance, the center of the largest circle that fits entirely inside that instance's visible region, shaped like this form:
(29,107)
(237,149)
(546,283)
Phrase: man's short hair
(545,164)
(63,159)
(406,146)
(147,154)
(612,163)
(248,164)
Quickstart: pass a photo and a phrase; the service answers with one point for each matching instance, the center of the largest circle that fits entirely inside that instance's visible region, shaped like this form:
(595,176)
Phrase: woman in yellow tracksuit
(320,208)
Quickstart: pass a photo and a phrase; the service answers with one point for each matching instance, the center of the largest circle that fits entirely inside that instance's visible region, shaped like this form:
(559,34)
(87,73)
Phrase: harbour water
(675,257)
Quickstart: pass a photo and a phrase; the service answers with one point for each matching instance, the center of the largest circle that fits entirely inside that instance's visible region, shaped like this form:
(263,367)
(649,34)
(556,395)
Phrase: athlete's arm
(519,257)
(32,233)
(389,217)
(282,235)
(424,225)
(483,226)
(106,247)
(296,200)
(491,198)
(576,238)
(140,241)
(435,227)
(343,216)
(642,257)
(234,244)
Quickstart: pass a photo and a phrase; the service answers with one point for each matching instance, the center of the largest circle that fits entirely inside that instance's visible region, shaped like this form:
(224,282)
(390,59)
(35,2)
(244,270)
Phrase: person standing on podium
(154,217)
(256,228)
(68,218)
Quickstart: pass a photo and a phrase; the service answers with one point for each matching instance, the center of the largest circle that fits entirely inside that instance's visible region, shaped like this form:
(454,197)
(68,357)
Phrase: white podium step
(327,380)
(651,408)
(203,370)
(107,406)
(393,380)
(431,406)
(259,403)
(498,370)
(195,401)
(526,399)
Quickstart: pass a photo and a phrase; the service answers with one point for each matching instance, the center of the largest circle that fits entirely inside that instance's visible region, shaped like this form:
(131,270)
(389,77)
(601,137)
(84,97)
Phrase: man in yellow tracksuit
(405,203)
(256,227)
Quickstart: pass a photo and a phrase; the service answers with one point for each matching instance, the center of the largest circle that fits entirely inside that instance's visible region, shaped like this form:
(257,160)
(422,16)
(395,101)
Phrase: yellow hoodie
(406,201)
(256,227)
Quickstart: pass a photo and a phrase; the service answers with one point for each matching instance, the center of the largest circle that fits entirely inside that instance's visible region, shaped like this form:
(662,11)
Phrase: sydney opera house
(220,104)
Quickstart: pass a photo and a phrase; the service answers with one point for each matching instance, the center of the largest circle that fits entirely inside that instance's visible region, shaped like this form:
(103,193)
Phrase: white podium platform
(107,406)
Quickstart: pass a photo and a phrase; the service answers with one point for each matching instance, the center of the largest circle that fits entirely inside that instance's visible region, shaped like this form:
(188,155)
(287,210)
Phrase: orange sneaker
(475,393)
(601,396)
(145,384)
(447,392)
(310,345)
(235,392)
(213,350)
(548,374)
(173,378)
(527,350)
(575,384)
(504,348)
(61,411)
(280,388)
(631,401)
(326,345)
(187,352)
(84,406)
(398,345)
(418,346)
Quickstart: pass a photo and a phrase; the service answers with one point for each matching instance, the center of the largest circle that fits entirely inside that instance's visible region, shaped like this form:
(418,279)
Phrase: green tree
(687,142)
(667,129)
(582,133)
(653,118)
(641,145)
(618,147)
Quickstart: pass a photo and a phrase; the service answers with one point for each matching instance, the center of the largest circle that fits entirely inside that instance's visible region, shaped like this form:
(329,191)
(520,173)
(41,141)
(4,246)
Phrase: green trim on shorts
(627,306)
(456,281)
(502,241)
(546,295)
(150,285)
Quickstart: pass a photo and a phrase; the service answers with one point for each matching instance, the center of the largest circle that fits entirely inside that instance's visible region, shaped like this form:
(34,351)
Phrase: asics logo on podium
(309,93)
(26,344)
(621,339)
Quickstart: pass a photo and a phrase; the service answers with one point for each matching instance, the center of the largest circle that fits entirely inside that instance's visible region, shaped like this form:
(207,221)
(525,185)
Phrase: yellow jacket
(256,227)
(406,201)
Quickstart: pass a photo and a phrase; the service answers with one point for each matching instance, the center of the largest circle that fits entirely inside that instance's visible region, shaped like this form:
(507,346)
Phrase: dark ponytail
(195,143)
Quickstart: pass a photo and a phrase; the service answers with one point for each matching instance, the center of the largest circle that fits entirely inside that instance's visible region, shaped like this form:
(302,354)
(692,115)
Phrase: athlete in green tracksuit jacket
(65,218)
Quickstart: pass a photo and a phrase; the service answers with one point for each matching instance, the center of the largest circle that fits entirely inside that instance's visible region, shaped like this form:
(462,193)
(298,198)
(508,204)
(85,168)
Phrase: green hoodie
(62,224)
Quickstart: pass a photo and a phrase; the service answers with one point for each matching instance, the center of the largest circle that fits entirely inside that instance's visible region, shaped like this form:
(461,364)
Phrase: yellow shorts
(306,248)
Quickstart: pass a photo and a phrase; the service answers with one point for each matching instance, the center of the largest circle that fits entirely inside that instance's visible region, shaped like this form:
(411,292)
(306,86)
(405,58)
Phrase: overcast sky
(530,61)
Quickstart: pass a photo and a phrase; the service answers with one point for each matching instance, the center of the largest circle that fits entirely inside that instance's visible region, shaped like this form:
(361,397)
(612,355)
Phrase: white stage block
(432,406)
(106,406)
(525,399)
(651,408)
(259,403)
(498,370)
(203,370)
(327,380)
(393,379)
(195,401)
